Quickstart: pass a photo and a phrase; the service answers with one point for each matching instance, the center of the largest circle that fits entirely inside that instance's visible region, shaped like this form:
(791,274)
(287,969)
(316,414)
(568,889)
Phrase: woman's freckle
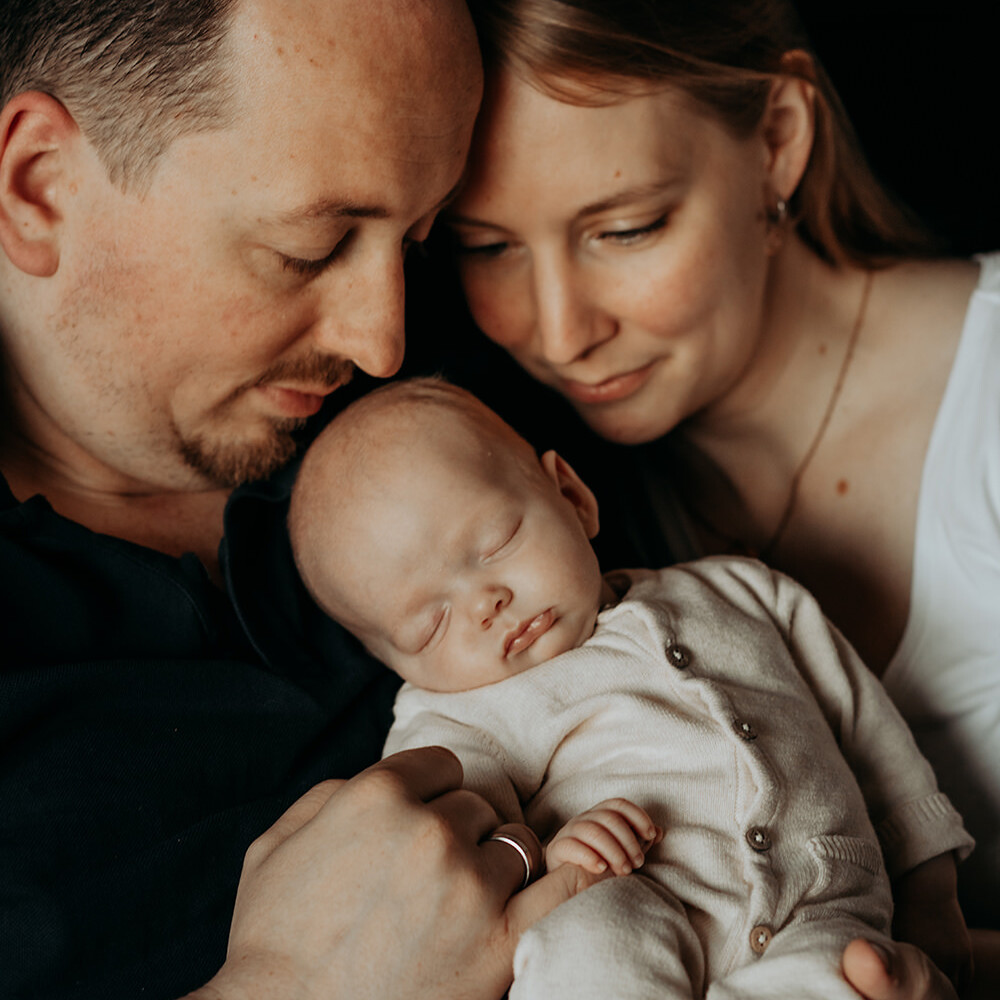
(618,174)
(822,348)
(842,486)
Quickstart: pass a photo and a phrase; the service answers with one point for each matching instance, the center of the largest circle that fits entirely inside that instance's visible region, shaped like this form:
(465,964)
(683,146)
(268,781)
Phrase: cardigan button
(758,839)
(679,656)
(744,730)
(760,938)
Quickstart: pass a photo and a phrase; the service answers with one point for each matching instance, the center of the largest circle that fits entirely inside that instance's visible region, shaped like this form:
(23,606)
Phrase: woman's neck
(747,447)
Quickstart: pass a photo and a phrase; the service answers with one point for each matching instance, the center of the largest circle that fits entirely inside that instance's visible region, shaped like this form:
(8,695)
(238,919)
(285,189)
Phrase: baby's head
(427,527)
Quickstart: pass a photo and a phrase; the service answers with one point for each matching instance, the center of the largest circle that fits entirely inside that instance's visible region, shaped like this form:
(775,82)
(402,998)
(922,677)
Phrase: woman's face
(620,253)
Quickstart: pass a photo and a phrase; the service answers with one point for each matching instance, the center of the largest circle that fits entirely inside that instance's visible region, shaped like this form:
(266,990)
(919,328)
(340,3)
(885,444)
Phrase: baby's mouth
(527,632)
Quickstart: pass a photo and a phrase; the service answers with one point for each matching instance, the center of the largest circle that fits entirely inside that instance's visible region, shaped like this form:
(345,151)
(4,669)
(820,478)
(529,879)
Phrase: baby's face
(466,566)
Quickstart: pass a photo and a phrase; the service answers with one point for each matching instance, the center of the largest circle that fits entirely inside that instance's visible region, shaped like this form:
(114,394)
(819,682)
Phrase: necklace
(737,545)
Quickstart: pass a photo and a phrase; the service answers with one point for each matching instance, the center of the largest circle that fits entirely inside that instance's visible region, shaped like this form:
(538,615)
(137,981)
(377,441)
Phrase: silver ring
(506,838)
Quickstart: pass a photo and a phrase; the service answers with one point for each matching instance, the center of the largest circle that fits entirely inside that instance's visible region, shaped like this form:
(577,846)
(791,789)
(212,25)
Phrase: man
(204,209)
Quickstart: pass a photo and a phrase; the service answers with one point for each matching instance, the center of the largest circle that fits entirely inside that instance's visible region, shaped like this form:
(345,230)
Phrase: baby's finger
(637,817)
(607,840)
(576,852)
(615,825)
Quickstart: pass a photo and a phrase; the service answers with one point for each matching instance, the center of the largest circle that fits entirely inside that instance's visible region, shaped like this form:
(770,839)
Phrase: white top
(945,676)
(716,696)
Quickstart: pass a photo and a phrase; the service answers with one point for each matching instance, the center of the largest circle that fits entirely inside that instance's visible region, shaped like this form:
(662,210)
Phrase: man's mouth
(294,402)
(525,634)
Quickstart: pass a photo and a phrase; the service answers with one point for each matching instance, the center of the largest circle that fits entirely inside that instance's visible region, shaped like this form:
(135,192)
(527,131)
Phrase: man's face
(189,330)
(457,565)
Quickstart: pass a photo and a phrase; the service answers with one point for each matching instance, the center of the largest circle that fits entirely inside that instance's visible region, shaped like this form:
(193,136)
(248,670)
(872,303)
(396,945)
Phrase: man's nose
(489,602)
(570,321)
(362,316)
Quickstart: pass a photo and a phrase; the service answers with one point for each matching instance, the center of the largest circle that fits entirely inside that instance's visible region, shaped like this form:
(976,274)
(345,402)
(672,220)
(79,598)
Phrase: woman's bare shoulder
(930,295)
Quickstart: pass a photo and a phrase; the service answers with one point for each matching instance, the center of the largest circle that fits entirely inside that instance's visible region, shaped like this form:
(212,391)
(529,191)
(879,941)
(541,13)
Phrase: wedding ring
(512,841)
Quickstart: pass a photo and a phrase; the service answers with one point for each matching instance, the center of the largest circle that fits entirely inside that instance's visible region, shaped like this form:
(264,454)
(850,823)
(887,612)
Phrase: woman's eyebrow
(625,197)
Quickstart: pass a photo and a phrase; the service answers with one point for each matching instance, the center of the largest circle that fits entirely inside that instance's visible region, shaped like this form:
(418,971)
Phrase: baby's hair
(354,446)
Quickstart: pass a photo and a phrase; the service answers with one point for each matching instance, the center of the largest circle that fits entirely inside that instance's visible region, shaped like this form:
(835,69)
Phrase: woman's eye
(626,237)
(480,249)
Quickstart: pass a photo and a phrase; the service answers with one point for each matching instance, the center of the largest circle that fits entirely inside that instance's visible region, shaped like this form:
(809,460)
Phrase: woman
(668,221)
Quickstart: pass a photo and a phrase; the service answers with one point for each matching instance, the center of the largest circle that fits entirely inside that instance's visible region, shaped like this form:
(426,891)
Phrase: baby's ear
(574,489)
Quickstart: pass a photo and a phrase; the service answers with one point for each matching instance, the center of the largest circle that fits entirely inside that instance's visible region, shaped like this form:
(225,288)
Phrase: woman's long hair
(726,55)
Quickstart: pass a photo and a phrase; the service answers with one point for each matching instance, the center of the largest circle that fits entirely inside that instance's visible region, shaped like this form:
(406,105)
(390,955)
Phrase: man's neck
(173,522)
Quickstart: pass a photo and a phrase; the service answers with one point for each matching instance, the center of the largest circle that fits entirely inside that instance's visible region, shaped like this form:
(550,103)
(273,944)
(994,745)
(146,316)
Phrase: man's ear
(789,123)
(574,489)
(35,132)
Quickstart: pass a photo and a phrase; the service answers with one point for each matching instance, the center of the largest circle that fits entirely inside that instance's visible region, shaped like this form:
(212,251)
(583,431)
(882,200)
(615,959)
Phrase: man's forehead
(399,53)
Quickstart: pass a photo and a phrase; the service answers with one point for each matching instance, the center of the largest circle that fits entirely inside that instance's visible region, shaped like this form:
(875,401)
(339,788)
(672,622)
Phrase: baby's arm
(614,834)
(921,834)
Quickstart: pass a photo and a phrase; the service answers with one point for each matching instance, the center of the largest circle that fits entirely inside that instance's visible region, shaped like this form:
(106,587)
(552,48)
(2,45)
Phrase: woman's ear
(35,133)
(789,123)
(574,489)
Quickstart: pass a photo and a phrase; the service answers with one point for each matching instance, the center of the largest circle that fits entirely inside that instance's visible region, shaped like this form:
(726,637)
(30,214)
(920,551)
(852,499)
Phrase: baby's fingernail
(601,867)
(625,870)
(637,860)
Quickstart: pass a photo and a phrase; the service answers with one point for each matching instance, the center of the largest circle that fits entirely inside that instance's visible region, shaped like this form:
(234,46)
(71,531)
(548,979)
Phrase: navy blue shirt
(151,726)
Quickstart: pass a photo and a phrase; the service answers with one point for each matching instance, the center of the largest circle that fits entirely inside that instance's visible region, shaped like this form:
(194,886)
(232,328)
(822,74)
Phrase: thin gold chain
(737,544)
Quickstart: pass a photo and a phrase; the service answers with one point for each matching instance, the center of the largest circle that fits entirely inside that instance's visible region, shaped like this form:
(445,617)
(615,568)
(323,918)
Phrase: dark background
(922,91)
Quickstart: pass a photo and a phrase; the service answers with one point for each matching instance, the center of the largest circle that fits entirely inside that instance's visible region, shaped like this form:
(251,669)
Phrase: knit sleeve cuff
(920,830)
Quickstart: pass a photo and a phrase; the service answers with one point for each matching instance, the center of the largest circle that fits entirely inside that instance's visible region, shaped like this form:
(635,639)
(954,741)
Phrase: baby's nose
(491,602)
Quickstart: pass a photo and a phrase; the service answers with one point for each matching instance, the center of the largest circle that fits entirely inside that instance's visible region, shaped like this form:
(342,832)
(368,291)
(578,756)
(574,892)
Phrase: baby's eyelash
(435,629)
(510,537)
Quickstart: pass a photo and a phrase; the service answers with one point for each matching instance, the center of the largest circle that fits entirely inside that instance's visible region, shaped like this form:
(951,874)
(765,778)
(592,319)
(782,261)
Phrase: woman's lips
(527,632)
(610,390)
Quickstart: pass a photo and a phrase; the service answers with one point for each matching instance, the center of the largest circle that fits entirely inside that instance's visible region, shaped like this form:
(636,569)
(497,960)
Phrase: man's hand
(383,886)
(613,835)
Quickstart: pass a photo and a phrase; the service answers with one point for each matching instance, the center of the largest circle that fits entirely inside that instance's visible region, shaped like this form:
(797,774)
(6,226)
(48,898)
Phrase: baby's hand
(615,834)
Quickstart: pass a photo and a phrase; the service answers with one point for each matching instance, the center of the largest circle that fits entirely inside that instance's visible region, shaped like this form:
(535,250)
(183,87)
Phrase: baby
(753,750)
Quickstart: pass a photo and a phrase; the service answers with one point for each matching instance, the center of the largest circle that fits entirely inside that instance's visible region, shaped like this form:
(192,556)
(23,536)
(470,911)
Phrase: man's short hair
(135,74)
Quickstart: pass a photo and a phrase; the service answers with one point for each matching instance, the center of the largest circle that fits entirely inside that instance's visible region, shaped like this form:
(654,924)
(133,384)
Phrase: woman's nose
(570,321)
(489,603)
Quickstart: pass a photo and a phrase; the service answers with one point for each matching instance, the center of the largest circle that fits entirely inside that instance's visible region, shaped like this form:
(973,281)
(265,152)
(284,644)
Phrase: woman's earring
(777,217)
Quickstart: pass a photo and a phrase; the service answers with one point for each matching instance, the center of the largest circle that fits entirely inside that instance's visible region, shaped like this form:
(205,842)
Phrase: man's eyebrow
(326,208)
(625,197)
